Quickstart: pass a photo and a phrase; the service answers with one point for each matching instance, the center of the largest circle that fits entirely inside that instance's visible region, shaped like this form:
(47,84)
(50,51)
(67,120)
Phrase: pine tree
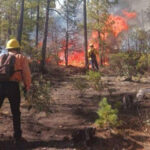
(98,13)
(69,10)
(108,117)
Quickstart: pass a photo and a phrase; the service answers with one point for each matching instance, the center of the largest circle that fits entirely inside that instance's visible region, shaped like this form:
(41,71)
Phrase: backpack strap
(13,61)
(3,58)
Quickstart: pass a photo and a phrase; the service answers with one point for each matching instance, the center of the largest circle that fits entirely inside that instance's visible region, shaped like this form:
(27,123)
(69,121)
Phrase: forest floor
(71,112)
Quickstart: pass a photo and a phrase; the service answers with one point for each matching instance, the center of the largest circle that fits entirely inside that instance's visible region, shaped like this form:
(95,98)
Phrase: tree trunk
(9,28)
(85,35)
(37,24)
(56,48)
(66,50)
(67,36)
(45,38)
(100,49)
(20,26)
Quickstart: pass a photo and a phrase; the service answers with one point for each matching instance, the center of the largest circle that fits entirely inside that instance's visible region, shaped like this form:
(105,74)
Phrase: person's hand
(26,93)
(26,96)
(24,90)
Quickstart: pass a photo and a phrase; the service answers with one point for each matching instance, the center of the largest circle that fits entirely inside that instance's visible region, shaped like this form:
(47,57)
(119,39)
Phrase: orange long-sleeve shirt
(24,74)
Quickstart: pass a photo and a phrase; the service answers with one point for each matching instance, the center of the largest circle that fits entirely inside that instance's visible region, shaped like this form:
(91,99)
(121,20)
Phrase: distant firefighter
(92,57)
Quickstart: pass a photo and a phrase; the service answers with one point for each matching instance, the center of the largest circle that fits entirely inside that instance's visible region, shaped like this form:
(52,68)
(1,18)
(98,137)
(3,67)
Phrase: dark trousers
(11,91)
(94,63)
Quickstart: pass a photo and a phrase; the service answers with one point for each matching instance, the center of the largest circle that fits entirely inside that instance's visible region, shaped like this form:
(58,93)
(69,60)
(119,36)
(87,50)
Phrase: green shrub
(95,78)
(34,66)
(128,63)
(108,117)
(39,96)
(116,63)
(143,63)
(80,85)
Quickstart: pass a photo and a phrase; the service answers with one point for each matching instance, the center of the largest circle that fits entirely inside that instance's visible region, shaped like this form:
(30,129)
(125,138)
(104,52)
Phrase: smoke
(133,5)
(140,7)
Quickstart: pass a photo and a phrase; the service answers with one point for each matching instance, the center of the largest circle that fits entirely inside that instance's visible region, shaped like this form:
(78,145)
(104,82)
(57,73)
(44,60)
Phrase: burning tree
(107,28)
(69,14)
(98,14)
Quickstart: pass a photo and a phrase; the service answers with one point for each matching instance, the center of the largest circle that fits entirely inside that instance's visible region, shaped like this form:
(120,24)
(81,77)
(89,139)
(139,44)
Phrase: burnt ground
(71,112)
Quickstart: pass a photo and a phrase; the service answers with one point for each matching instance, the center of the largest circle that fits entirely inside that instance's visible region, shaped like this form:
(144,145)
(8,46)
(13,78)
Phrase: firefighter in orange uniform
(92,57)
(11,90)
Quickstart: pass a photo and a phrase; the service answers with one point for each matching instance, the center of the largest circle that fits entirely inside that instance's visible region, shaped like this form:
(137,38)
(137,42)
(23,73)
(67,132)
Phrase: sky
(138,6)
(134,5)
(57,3)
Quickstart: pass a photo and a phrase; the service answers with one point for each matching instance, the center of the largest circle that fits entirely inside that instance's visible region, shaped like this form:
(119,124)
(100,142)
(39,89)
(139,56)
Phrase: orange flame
(76,57)
(129,15)
(119,24)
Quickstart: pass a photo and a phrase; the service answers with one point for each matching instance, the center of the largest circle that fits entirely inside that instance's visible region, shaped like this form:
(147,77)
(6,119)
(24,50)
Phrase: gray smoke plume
(141,7)
(133,5)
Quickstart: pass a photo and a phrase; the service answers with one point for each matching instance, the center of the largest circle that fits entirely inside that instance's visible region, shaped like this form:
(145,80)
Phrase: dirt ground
(72,112)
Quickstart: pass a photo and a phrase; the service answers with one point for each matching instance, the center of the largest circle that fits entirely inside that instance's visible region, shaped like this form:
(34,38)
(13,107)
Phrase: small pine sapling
(108,117)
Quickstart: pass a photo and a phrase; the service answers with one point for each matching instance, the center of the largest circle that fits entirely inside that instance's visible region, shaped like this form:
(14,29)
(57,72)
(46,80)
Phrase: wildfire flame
(119,25)
(76,57)
(129,15)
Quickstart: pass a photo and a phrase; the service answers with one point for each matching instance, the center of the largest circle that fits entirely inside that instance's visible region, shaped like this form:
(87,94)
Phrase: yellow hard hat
(91,44)
(13,43)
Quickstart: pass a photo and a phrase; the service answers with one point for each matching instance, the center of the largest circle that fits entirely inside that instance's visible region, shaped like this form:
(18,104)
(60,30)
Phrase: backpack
(92,55)
(7,66)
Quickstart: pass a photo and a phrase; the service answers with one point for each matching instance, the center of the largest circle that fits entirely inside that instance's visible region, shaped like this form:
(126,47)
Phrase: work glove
(25,93)
(26,96)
